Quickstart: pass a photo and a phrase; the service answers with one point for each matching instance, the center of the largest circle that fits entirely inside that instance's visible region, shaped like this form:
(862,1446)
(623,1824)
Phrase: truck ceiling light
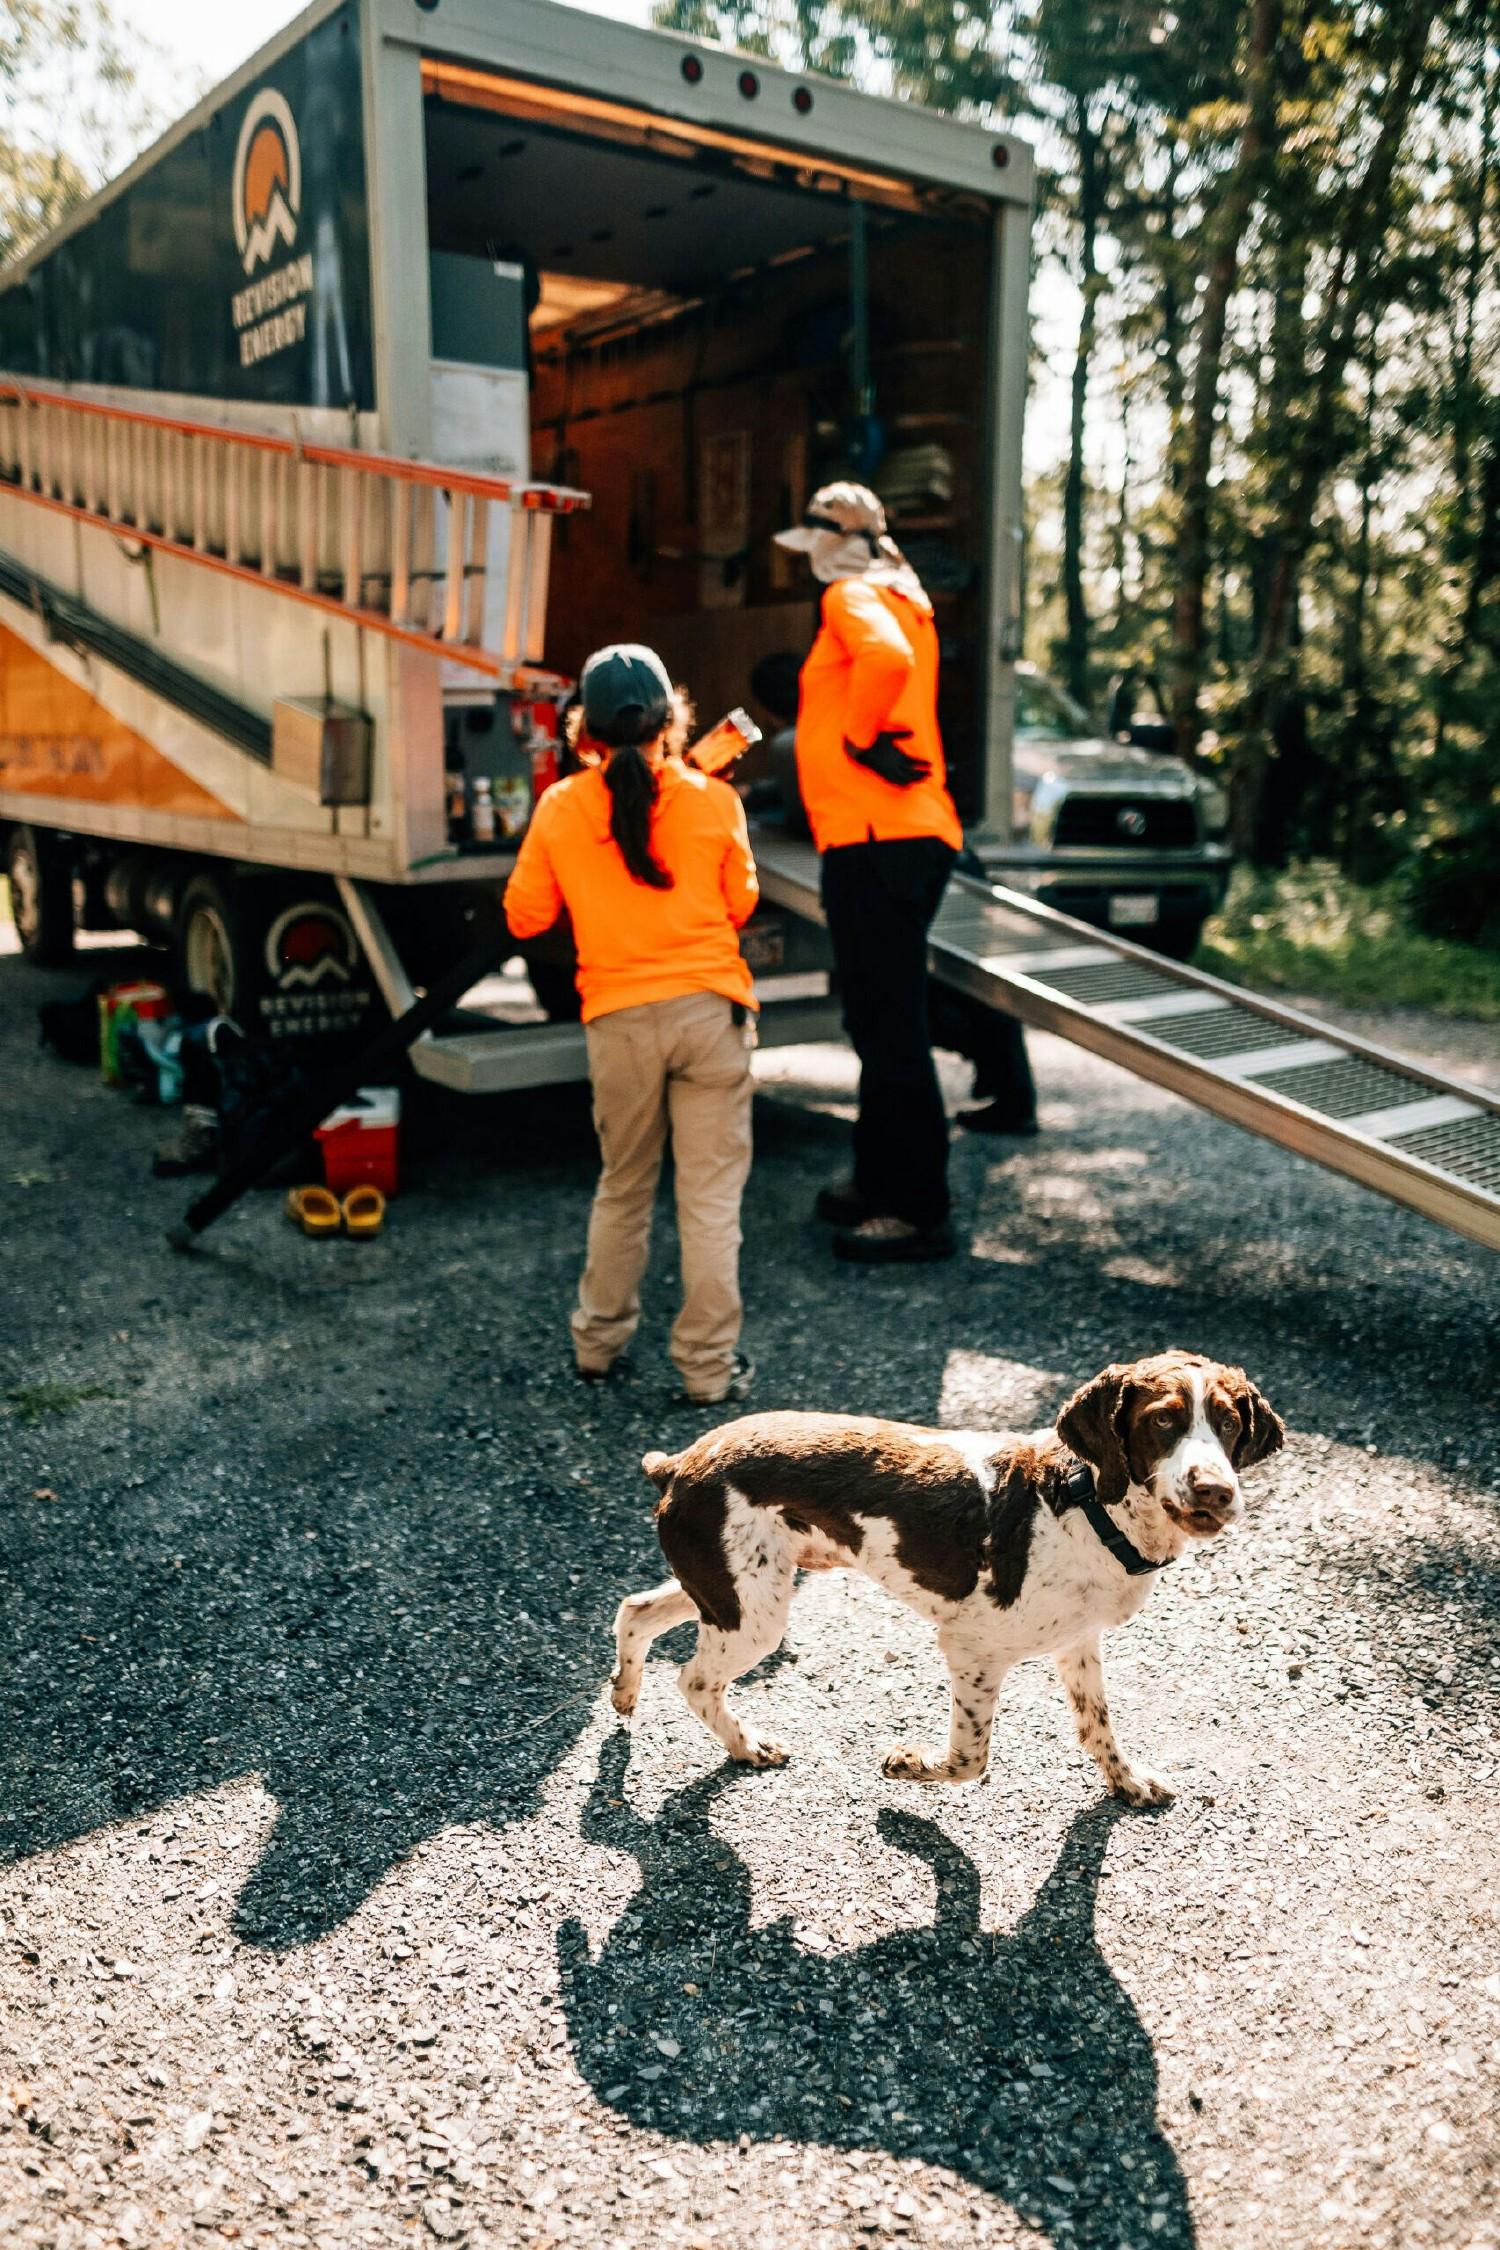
(748,84)
(692,69)
(802,100)
(1000,155)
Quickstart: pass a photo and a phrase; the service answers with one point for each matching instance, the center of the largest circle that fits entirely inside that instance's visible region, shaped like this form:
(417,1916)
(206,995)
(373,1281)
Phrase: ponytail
(632,784)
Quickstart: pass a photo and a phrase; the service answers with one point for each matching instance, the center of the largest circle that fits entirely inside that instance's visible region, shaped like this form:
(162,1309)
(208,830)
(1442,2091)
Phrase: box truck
(444,341)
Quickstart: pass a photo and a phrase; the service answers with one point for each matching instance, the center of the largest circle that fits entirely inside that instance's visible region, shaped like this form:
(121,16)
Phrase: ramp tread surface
(1015,954)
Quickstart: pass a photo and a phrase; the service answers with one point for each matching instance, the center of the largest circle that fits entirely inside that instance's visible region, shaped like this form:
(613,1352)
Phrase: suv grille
(1125,823)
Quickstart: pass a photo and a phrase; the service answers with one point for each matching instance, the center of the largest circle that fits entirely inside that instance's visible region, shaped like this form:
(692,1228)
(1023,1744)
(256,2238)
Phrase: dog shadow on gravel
(1013,2059)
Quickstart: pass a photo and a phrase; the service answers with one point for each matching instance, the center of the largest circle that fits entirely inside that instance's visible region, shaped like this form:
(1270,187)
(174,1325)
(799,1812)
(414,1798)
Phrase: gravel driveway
(336,1909)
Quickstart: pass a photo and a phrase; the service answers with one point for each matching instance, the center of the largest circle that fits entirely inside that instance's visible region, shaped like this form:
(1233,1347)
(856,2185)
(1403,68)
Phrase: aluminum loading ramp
(1420,1139)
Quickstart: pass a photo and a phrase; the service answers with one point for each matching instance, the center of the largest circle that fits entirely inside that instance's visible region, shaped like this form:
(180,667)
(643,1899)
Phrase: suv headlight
(1213,804)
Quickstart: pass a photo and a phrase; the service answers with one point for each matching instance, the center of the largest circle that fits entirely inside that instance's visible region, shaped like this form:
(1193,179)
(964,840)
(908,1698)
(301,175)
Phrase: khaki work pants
(680,1066)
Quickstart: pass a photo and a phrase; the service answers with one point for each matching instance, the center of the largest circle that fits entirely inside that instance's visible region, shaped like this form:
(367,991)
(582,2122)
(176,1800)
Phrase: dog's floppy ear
(1262,1430)
(1092,1425)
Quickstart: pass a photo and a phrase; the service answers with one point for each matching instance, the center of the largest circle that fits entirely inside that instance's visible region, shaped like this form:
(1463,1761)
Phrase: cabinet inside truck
(711,330)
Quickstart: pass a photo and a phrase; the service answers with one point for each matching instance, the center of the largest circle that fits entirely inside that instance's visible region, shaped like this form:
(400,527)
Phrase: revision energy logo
(308,946)
(267,179)
(271,312)
(312,988)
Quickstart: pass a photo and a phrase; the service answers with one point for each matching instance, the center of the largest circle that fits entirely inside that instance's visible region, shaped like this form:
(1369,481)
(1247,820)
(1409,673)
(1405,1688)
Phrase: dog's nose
(1210,1487)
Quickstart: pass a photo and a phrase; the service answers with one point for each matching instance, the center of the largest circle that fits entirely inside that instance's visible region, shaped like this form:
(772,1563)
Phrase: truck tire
(209,945)
(41,896)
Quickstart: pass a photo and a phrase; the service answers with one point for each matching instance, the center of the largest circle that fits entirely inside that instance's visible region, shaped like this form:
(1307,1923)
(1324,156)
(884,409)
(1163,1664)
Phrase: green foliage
(73,109)
(1310,929)
(33,1402)
(37,188)
(1350,680)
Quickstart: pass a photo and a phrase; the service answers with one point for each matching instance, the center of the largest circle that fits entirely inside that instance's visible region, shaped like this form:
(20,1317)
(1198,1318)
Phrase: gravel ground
(336,1909)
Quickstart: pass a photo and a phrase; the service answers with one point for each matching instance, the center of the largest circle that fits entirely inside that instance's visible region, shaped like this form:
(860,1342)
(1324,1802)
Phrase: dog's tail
(660,1468)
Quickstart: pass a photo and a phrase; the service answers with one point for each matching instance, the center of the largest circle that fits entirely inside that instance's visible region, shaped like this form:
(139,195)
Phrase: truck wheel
(209,945)
(41,896)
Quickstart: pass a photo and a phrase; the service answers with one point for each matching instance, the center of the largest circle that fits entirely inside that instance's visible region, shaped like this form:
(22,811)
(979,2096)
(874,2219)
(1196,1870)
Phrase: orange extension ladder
(401,547)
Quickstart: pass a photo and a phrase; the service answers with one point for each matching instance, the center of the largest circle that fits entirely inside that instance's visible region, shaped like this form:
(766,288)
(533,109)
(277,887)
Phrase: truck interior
(710,329)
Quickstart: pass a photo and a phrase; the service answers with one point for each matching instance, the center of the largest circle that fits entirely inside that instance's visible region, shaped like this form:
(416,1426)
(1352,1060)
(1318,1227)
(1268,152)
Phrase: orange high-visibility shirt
(636,944)
(873,665)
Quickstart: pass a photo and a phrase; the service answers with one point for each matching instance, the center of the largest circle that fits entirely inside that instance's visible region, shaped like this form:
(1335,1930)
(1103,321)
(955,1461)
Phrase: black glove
(885,757)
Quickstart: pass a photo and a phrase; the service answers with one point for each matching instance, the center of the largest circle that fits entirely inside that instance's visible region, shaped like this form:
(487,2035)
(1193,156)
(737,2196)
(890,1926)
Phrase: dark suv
(1117,832)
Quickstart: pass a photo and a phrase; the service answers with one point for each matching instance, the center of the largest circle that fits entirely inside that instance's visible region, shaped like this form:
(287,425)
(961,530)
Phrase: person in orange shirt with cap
(652,861)
(873,780)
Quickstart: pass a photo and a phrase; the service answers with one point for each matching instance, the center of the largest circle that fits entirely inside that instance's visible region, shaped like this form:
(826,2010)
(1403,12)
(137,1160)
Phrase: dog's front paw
(762,1750)
(907,1764)
(624,1697)
(1139,1786)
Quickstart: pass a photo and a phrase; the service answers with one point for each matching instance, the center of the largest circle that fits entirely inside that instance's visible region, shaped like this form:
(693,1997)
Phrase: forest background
(1272,227)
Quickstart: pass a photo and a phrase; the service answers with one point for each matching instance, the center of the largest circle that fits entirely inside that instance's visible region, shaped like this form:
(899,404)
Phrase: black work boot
(841,1205)
(884,1241)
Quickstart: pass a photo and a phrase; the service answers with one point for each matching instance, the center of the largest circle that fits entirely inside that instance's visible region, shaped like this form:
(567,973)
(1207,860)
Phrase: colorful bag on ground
(120,1004)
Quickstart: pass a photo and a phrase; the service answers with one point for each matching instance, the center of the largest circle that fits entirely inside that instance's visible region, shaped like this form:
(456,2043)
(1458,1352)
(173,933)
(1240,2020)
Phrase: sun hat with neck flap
(626,693)
(843,535)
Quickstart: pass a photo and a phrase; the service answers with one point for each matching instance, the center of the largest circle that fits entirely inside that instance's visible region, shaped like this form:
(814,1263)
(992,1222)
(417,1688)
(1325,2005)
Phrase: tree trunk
(1348,294)
(1122,524)
(1486,569)
(1234,208)
(1359,716)
(1170,313)
(1464,400)
(1472,538)
(1090,200)
(1287,782)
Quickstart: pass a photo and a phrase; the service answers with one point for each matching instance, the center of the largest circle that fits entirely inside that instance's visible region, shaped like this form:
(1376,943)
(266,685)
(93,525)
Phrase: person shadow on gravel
(1013,2059)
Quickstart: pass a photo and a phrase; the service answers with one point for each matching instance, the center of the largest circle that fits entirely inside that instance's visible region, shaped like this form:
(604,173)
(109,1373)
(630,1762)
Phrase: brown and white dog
(1010,1546)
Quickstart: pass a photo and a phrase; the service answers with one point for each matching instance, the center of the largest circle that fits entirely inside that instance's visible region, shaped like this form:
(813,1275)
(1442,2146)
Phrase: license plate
(1133,910)
(764,945)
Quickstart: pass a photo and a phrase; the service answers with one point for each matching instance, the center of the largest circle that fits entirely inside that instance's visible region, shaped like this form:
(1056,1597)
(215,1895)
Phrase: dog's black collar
(1080,1492)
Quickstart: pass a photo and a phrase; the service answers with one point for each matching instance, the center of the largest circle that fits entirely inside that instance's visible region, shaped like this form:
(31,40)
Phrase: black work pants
(880,900)
(993,1042)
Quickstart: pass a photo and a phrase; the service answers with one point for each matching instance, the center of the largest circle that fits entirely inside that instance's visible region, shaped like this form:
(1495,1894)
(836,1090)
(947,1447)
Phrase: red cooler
(359,1141)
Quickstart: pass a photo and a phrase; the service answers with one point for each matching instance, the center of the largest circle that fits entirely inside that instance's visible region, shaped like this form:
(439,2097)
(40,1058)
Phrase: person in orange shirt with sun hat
(652,862)
(873,780)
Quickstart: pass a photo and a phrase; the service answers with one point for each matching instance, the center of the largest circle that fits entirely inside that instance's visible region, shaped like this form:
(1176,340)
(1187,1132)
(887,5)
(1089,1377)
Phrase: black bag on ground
(256,1079)
(71,1027)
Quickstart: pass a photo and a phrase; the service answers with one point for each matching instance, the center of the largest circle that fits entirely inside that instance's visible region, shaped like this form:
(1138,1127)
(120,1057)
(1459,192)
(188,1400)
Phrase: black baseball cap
(626,692)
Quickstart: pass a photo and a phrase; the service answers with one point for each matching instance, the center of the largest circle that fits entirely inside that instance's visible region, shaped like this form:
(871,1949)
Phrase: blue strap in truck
(1383,1119)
